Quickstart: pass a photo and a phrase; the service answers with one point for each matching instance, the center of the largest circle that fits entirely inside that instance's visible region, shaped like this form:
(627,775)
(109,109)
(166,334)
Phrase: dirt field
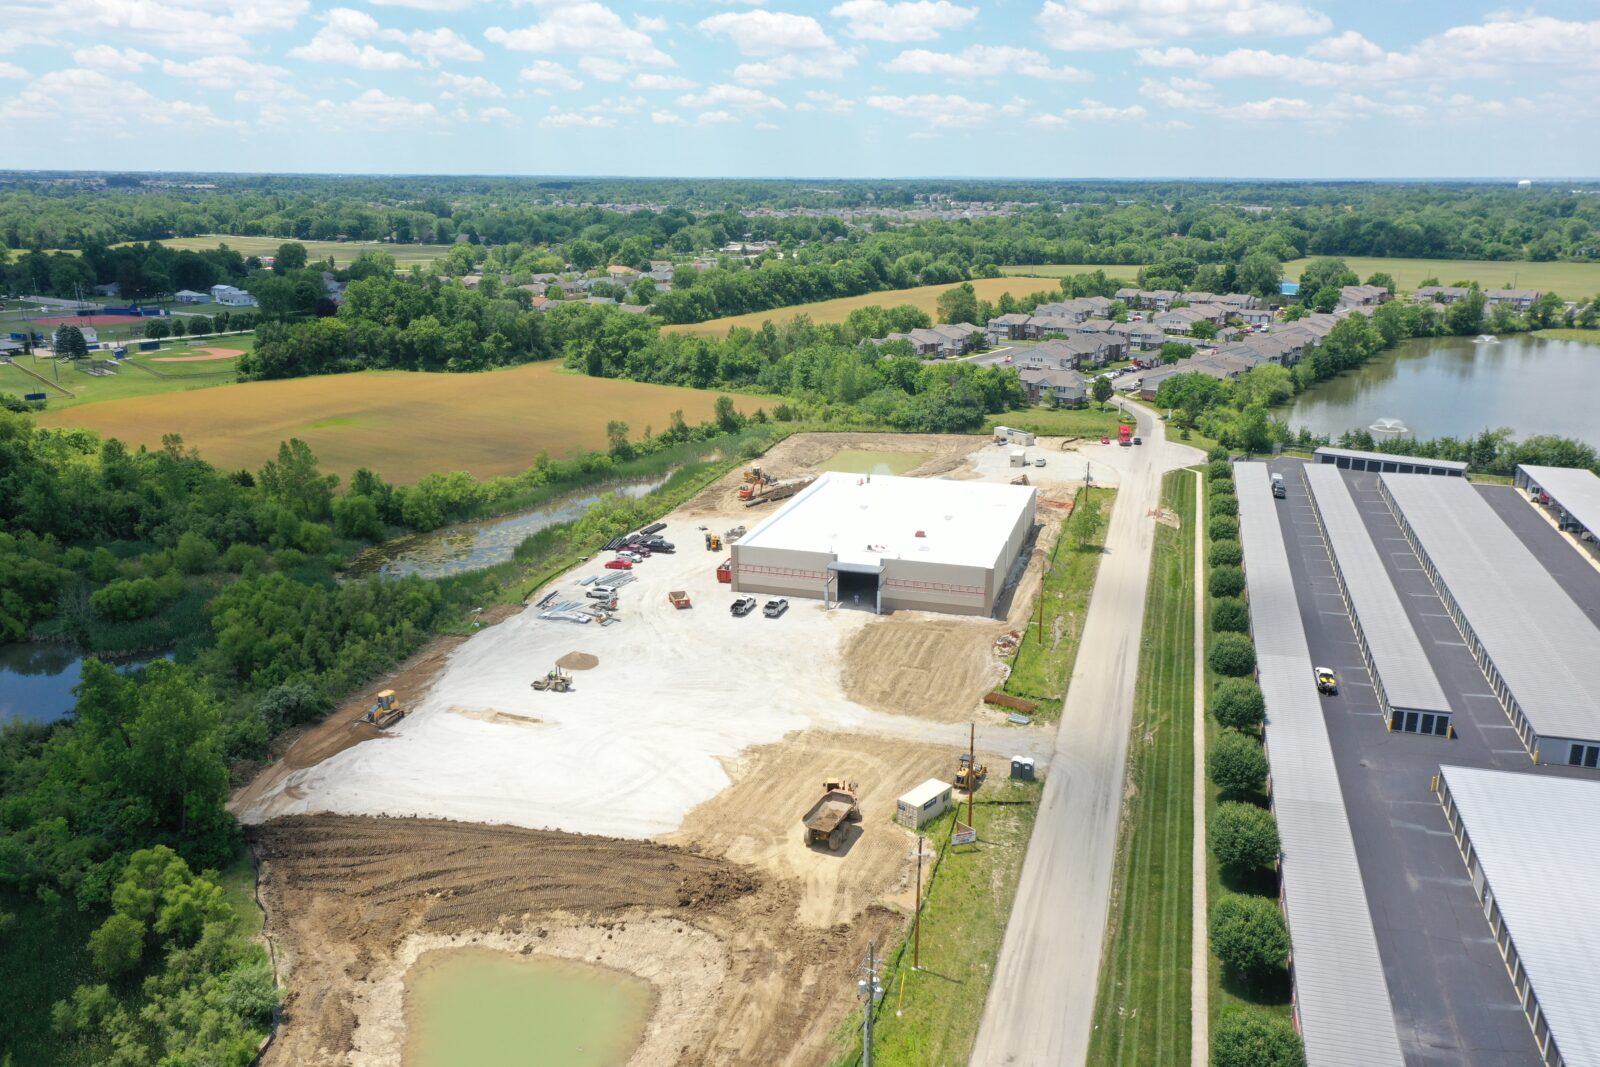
(401,424)
(202,355)
(343,252)
(925,297)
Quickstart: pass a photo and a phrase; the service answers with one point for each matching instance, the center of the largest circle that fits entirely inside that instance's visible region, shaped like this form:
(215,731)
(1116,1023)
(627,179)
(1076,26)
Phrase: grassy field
(931,1016)
(925,297)
(1126,271)
(1588,336)
(1571,280)
(343,252)
(401,424)
(1043,663)
(1142,1010)
(146,377)
(1063,422)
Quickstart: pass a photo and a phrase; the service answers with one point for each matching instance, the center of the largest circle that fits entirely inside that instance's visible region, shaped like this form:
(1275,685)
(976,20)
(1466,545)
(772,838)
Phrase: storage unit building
(1531,843)
(923,804)
(1536,646)
(888,543)
(1383,463)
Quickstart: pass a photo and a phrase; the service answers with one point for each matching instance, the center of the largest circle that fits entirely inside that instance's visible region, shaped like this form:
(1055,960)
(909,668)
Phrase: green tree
(1232,654)
(1259,273)
(728,419)
(1383,278)
(1229,615)
(1244,837)
(1237,703)
(1222,527)
(1101,391)
(1172,351)
(117,946)
(156,329)
(1225,581)
(194,554)
(1248,934)
(291,255)
(617,439)
(1464,318)
(1204,329)
(1326,273)
(69,342)
(1224,553)
(1087,521)
(294,481)
(1246,1038)
(1236,764)
(959,304)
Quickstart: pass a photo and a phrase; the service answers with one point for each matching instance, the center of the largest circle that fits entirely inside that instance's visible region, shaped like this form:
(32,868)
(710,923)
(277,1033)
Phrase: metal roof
(1541,643)
(1403,670)
(1537,839)
(1575,489)
(1343,997)
(1389,457)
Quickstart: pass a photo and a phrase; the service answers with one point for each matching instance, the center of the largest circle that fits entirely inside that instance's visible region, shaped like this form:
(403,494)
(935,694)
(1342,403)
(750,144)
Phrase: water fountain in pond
(1389,430)
(1486,339)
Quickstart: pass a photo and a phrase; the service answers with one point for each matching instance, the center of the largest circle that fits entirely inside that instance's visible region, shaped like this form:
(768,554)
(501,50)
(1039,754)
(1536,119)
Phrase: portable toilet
(927,801)
(1019,457)
(1022,768)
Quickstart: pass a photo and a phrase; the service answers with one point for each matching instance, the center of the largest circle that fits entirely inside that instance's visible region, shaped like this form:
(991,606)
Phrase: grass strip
(1142,1009)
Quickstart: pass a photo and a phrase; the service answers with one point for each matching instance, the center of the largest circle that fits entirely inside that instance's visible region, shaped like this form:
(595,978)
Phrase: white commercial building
(887,543)
(228,296)
(1531,843)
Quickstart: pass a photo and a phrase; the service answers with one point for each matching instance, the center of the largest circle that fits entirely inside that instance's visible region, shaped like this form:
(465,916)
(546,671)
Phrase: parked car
(742,606)
(1039,462)
(600,594)
(1326,682)
(656,544)
(1105,440)
(775,608)
(1138,440)
(618,565)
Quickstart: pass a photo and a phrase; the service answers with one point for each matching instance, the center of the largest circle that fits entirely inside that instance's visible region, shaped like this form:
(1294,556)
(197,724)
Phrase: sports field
(173,368)
(401,424)
(1571,280)
(343,252)
(925,297)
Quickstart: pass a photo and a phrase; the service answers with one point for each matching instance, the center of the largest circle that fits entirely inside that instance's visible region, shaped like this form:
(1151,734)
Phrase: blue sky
(852,88)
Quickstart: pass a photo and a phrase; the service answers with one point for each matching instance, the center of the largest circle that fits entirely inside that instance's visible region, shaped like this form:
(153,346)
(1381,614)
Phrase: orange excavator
(756,481)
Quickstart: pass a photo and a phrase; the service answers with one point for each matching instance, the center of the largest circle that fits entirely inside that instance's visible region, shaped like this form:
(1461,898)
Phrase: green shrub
(1222,487)
(1225,553)
(1244,837)
(1216,454)
(1225,581)
(1248,934)
(1248,1038)
(1238,704)
(1236,764)
(1219,468)
(1229,615)
(1223,505)
(127,599)
(1233,655)
(118,945)
(1223,528)
(194,554)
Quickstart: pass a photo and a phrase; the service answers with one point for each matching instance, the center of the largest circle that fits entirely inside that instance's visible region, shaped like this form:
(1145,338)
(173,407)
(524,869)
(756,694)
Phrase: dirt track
(350,900)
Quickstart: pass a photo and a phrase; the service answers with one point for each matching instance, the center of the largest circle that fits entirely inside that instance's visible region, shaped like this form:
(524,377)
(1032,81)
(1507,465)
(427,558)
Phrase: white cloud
(661,82)
(666,118)
(1095,111)
(228,72)
(766,125)
(1273,109)
(459,85)
(549,72)
(939,111)
(768,33)
(374,109)
(916,20)
(570,119)
(714,118)
(11,70)
(496,114)
(344,33)
(105,58)
(1347,45)
(427,5)
(1187,94)
(90,99)
(819,64)
(604,68)
(818,100)
(1096,25)
(649,24)
(179,25)
(438,46)
(739,97)
(982,61)
(583,29)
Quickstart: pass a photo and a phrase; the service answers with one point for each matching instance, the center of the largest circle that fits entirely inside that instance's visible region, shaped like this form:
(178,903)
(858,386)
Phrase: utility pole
(870,992)
(972,756)
(916,921)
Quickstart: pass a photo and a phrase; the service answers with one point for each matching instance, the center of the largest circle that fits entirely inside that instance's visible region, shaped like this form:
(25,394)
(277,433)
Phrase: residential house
(619,273)
(1130,297)
(957,338)
(108,289)
(1239,301)
(1441,294)
(1075,310)
(1179,320)
(1359,296)
(1099,306)
(1518,299)
(923,342)
(573,287)
(1253,316)
(1142,336)
(1040,326)
(1151,382)
(1078,350)
(228,296)
(1066,388)
(1199,297)
(1012,327)
(189,296)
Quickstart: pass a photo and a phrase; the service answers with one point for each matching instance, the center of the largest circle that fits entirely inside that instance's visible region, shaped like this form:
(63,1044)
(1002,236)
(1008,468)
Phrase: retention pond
(863,461)
(37,680)
(494,1009)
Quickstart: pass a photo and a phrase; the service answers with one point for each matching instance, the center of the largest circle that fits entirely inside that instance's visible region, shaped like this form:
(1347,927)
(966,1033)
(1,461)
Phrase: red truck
(1125,436)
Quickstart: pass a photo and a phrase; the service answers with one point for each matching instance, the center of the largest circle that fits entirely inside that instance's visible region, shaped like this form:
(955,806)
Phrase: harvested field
(925,297)
(401,424)
(343,252)
(352,901)
(202,355)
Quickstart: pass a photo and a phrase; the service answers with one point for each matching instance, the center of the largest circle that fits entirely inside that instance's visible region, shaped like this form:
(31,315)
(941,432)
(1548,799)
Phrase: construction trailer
(923,804)
(889,543)
(1010,435)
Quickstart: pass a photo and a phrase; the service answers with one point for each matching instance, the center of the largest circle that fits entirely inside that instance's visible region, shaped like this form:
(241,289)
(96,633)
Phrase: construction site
(640,770)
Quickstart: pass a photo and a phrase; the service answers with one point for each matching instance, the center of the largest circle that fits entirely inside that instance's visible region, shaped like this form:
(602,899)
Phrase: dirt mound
(578,661)
(929,666)
(708,889)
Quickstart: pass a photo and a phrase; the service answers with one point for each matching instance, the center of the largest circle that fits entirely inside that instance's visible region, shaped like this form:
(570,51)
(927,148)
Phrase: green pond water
(860,461)
(494,1009)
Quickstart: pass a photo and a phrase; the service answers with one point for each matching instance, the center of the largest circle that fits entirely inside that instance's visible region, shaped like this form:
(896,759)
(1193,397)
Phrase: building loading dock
(1536,646)
(1350,459)
(923,804)
(1530,843)
(887,543)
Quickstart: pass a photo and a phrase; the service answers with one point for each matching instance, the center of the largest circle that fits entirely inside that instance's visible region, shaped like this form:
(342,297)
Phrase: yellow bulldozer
(385,713)
(969,775)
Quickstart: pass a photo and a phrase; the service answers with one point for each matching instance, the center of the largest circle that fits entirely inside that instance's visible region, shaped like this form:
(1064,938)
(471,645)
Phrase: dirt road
(1041,1006)
(351,901)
